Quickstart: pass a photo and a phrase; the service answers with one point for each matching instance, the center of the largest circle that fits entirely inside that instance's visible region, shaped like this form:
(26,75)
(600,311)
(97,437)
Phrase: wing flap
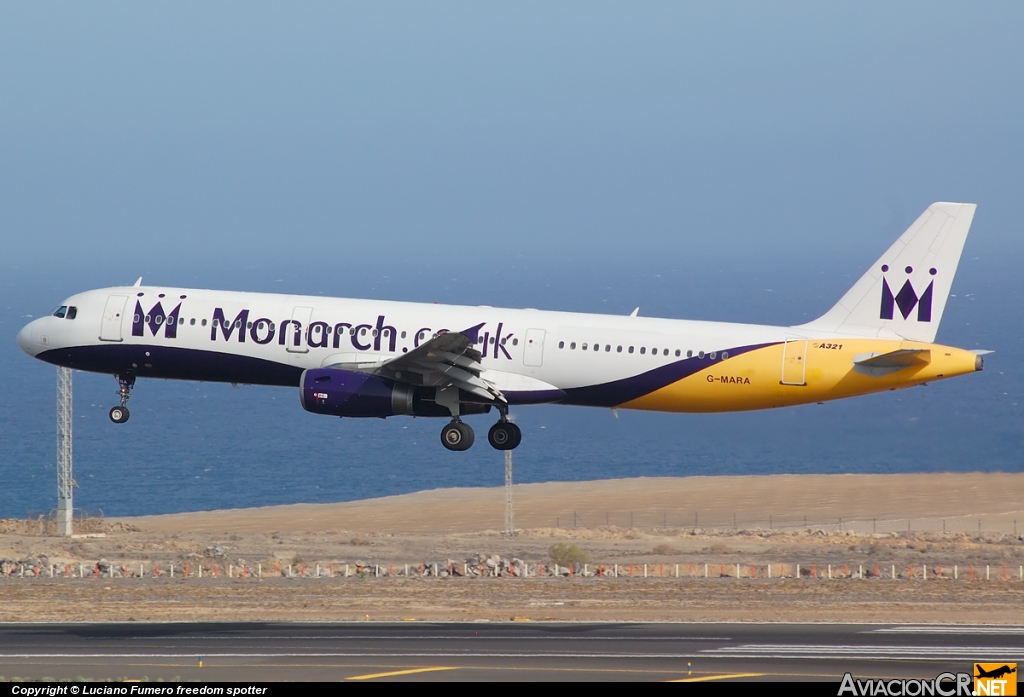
(446,360)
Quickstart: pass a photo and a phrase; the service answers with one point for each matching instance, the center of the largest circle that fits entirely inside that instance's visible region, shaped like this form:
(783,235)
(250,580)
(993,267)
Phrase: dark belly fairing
(174,363)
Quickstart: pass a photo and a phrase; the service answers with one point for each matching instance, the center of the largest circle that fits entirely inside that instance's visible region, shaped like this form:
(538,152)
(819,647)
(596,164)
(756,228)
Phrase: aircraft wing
(446,360)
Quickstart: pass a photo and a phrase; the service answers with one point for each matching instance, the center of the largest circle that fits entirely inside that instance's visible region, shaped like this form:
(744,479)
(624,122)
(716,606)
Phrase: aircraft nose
(27,341)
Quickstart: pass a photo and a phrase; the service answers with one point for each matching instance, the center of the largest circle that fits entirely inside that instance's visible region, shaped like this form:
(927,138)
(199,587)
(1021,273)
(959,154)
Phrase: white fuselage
(531,355)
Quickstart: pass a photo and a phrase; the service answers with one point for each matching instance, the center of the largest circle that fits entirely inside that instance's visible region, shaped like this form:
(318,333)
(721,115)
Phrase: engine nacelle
(354,394)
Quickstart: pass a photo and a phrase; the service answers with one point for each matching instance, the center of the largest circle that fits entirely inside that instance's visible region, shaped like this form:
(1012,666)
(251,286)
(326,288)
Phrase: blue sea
(196,446)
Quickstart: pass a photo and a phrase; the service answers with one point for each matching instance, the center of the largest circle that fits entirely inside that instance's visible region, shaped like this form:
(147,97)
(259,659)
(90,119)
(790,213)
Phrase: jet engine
(354,394)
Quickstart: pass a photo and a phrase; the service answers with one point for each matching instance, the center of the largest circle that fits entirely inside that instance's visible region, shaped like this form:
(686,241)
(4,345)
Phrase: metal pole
(510,528)
(65,481)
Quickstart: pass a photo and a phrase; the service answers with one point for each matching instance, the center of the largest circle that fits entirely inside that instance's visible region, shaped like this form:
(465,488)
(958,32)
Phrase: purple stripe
(210,366)
(612,394)
(534,396)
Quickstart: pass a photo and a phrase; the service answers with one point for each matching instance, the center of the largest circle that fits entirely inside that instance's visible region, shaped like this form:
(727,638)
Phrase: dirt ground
(853,521)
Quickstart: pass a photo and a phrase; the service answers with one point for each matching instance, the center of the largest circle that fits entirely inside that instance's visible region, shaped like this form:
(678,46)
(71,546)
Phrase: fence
(924,572)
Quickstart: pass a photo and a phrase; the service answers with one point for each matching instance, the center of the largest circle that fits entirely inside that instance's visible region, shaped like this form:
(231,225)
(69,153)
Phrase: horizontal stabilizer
(878,364)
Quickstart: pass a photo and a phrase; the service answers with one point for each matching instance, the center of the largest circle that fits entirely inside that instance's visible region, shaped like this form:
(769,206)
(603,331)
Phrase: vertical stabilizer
(904,293)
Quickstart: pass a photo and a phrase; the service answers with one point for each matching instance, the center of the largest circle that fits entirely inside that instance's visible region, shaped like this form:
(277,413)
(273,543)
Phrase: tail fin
(904,293)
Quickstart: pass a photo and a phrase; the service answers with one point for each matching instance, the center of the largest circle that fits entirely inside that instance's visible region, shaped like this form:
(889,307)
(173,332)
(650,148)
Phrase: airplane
(370,358)
(994,673)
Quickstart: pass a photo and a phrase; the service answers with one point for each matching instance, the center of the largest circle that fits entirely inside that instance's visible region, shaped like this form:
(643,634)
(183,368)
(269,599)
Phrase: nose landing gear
(125,383)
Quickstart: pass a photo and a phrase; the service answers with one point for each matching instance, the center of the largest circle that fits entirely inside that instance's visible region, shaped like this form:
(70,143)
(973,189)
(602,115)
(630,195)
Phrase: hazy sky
(736,161)
(163,137)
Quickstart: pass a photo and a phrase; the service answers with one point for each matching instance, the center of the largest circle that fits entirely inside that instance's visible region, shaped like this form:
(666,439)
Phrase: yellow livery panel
(802,371)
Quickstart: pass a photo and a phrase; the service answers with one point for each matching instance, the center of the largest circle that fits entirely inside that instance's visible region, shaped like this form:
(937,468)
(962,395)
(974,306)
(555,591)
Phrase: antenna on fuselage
(138,282)
(634,312)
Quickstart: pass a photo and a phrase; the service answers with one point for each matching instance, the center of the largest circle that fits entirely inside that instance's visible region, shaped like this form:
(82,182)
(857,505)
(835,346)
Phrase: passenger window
(192,322)
(362,332)
(491,341)
(136,318)
(572,346)
(584,347)
(689,354)
(643,350)
(678,353)
(515,342)
(597,347)
(373,333)
(725,354)
(204,322)
(712,355)
(664,352)
(561,344)
(700,354)
(248,325)
(72,312)
(403,334)
(618,349)
(631,349)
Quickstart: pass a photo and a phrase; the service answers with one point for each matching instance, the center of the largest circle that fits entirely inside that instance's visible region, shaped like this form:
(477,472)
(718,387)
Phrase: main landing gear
(125,383)
(503,435)
(457,436)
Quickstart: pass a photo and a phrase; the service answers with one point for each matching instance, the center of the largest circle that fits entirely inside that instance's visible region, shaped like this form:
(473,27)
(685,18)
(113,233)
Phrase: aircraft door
(113,316)
(298,328)
(533,353)
(794,362)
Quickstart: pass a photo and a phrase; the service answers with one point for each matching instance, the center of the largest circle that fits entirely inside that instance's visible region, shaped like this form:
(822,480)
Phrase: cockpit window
(61,311)
(72,312)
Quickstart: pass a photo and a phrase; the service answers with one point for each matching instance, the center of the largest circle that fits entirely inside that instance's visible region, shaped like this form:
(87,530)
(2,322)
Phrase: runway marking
(951,629)
(728,676)
(353,654)
(878,653)
(875,652)
(410,671)
(412,637)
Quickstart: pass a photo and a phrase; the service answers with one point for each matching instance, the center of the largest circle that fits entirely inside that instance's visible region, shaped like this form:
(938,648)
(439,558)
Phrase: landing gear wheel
(504,435)
(457,436)
(124,390)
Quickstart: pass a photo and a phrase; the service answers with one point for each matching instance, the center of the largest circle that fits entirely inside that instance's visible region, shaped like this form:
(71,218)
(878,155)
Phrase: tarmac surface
(512,651)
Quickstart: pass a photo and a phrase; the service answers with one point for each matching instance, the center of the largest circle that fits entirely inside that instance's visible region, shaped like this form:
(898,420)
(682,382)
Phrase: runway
(491,651)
